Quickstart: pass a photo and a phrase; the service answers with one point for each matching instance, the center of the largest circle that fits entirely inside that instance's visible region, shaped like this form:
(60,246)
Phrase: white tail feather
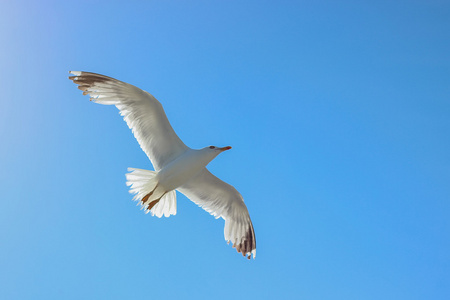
(166,206)
(143,182)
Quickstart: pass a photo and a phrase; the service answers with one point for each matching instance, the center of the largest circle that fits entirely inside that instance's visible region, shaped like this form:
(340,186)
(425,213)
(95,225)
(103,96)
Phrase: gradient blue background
(339,117)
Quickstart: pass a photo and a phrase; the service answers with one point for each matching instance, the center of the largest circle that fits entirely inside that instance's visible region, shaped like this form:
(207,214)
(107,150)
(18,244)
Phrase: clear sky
(339,117)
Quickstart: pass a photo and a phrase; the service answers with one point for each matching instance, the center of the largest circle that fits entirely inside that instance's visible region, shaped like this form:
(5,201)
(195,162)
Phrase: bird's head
(211,152)
(217,149)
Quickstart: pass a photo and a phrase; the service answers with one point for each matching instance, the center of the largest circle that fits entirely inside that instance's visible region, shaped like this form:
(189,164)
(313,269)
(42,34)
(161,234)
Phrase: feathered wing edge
(141,111)
(222,200)
(246,244)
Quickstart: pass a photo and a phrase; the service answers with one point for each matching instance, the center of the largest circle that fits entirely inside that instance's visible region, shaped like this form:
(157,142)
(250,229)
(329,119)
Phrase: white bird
(177,167)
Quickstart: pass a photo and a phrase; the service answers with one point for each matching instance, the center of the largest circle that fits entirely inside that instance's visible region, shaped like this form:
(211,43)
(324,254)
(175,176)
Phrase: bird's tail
(144,184)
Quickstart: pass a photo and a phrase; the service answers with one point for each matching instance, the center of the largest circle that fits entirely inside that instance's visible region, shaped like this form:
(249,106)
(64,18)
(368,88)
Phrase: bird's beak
(225,148)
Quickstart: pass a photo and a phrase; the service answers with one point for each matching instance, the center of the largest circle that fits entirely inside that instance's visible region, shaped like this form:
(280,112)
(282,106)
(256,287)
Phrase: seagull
(176,166)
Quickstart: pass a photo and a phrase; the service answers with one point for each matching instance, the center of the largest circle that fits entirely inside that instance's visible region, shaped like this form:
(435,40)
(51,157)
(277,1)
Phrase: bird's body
(186,166)
(177,167)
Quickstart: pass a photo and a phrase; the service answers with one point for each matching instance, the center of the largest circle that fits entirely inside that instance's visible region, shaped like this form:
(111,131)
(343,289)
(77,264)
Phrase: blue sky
(337,111)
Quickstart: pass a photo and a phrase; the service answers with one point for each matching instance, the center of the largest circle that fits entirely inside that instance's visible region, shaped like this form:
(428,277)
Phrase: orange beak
(225,148)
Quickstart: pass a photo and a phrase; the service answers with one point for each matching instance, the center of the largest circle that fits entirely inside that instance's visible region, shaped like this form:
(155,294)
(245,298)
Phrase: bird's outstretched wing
(222,200)
(143,113)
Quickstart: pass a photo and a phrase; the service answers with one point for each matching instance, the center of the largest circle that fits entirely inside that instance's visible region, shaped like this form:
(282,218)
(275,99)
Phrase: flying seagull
(177,167)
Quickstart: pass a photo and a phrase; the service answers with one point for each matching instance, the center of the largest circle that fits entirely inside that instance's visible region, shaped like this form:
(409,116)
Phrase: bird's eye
(212,147)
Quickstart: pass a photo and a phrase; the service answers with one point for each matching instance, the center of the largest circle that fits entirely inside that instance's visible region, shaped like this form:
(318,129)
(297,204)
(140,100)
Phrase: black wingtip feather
(248,243)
